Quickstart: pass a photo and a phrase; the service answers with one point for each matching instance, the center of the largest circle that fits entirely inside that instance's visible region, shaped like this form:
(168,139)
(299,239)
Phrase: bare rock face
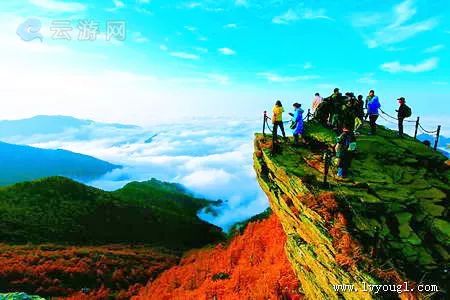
(388,223)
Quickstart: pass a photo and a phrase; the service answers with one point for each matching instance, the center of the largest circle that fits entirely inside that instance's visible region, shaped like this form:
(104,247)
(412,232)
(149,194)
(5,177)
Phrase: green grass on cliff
(59,210)
(19,296)
(396,196)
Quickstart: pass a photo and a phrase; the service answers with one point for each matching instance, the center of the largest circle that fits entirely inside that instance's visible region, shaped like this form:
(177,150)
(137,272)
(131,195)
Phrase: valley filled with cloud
(210,157)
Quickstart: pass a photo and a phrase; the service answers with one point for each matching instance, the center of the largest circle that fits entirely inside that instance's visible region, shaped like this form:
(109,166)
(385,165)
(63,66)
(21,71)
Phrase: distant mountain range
(60,210)
(21,163)
(443,143)
(42,125)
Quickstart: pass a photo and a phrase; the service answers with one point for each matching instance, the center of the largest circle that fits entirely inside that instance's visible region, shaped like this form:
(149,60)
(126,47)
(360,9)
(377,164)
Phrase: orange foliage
(348,250)
(80,272)
(253,266)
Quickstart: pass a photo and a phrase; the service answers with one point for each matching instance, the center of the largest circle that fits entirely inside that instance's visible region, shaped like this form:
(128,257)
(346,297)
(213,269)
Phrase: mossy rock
(425,258)
(441,230)
(390,193)
(420,184)
(442,252)
(394,207)
(413,239)
(432,194)
(397,190)
(409,252)
(368,226)
(431,208)
(403,217)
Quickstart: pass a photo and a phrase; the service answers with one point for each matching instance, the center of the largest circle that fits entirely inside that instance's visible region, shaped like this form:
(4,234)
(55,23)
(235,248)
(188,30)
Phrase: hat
(401,99)
(336,90)
(296,104)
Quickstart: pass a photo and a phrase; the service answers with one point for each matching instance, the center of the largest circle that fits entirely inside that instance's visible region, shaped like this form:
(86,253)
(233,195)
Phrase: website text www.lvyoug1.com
(385,288)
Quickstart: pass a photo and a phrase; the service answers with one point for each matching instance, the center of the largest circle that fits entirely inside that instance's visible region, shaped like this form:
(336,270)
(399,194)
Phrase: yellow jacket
(277,113)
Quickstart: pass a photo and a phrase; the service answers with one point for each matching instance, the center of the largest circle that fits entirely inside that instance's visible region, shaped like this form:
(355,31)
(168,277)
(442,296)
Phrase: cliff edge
(387,224)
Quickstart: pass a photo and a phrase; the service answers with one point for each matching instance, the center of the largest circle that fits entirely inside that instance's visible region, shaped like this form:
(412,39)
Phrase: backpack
(347,144)
(408,111)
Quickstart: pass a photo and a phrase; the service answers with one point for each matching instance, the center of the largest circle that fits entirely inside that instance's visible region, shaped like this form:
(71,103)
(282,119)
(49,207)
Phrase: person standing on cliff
(345,148)
(359,113)
(403,112)
(277,120)
(297,122)
(373,105)
(317,100)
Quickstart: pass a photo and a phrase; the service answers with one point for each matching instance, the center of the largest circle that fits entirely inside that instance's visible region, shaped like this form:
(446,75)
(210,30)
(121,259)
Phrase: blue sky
(223,58)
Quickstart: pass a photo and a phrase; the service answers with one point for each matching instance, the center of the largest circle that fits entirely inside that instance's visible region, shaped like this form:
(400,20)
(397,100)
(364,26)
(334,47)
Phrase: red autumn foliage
(348,250)
(80,272)
(253,266)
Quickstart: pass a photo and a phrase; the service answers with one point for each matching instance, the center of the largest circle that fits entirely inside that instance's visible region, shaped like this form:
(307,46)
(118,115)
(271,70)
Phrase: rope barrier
(430,132)
(404,120)
(392,122)
(388,115)
(268,126)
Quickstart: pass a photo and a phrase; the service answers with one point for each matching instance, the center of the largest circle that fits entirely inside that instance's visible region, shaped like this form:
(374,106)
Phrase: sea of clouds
(210,157)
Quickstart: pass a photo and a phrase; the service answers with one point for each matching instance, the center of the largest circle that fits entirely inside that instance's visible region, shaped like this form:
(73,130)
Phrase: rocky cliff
(387,224)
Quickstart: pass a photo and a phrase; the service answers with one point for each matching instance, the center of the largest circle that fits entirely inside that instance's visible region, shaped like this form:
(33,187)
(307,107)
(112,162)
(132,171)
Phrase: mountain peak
(390,214)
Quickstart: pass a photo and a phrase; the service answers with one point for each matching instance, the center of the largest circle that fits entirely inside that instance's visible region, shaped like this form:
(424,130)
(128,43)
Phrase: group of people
(345,114)
(296,122)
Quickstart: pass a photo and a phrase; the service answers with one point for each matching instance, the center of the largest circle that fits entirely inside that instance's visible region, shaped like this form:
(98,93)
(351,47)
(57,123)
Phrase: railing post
(326,158)
(307,116)
(264,123)
(437,137)
(417,127)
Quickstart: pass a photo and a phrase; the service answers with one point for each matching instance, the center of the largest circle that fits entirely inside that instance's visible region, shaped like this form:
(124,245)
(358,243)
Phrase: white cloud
(434,48)
(193,5)
(272,77)
(307,66)
(163,47)
(185,55)
(190,28)
(227,51)
(143,1)
(118,4)
(397,67)
(241,2)
(386,29)
(286,18)
(59,5)
(204,179)
(292,15)
(230,26)
(138,37)
(201,49)
(211,157)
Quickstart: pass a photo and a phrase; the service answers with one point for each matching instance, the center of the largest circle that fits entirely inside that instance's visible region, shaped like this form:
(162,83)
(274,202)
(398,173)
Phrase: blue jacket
(298,115)
(373,105)
(298,118)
